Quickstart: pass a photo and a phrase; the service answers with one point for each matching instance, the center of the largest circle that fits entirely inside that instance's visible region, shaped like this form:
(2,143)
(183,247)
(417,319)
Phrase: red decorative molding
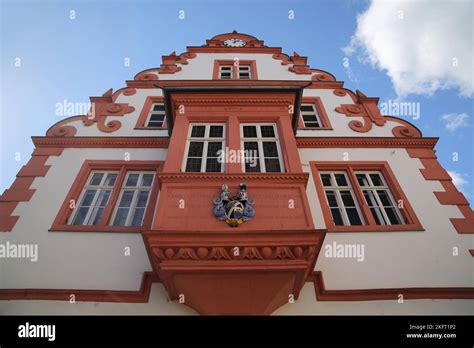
(369,142)
(146,111)
(471,251)
(116,142)
(102,107)
(411,220)
(322,76)
(168,66)
(126,296)
(432,170)
(60,222)
(20,190)
(323,294)
(298,62)
(125,91)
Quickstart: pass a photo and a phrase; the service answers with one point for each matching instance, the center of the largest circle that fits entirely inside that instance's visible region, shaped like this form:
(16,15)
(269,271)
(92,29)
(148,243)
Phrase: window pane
(376,180)
(312,124)
(80,216)
(96,179)
(337,217)
(213,165)
(250,132)
(193,164)
(132,180)
(267,131)
(121,217)
(347,198)
(213,148)
(353,216)
(272,165)
(96,216)
(198,131)
(137,218)
(157,117)
(307,107)
(331,198)
(103,198)
(110,180)
(142,199)
(362,179)
(270,149)
(159,107)
(369,198)
(341,180)
(155,124)
(147,180)
(326,179)
(195,149)
(384,198)
(216,131)
(87,198)
(392,216)
(310,118)
(252,165)
(377,215)
(126,200)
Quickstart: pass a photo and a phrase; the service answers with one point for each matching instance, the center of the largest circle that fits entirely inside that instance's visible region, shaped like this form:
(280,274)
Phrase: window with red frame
(358,197)
(110,195)
(235,70)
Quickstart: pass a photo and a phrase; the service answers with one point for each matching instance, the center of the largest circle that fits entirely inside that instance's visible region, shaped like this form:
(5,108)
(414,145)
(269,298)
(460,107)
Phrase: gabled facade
(344,204)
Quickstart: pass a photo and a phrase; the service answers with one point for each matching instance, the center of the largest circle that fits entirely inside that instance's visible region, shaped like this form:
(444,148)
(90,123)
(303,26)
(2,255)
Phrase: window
(340,198)
(379,199)
(110,196)
(156,118)
(133,199)
(235,70)
(261,148)
(362,196)
(313,114)
(310,116)
(94,198)
(225,72)
(204,148)
(153,114)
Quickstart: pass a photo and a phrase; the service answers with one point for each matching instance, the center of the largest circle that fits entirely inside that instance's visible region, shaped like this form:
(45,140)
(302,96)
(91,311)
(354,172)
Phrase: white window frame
(259,139)
(231,71)
(382,215)
(154,113)
(134,201)
(98,189)
(249,70)
(206,139)
(309,113)
(340,203)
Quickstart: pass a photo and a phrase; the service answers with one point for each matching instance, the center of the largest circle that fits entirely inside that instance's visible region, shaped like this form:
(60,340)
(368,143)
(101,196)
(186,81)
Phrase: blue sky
(72,59)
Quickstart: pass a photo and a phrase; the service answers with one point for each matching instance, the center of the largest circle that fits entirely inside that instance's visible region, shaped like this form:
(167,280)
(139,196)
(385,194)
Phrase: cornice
(91,142)
(375,142)
(212,177)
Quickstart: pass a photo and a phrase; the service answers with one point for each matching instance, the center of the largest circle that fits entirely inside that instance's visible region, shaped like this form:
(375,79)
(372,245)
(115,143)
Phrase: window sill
(152,128)
(376,228)
(316,128)
(99,228)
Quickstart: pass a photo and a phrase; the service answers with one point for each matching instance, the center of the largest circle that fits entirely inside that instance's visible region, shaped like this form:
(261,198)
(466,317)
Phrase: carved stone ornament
(234,210)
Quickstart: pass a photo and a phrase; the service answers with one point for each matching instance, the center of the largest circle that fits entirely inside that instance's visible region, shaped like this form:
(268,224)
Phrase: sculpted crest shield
(234,210)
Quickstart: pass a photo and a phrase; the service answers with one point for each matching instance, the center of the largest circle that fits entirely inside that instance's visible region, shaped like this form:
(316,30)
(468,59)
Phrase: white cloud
(458,180)
(454,121)
(423,45)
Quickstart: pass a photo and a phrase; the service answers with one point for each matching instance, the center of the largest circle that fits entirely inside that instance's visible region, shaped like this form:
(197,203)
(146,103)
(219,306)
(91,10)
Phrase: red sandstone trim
(20,190)
(450,196)
(365,142)
(134,296)
(101,142)
(322,294)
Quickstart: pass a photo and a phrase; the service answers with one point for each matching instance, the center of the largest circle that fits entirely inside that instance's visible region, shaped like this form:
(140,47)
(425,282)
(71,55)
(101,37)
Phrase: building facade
(235,179)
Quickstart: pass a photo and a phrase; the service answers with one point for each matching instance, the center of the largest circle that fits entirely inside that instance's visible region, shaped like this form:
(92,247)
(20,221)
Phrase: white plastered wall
(73,260)
(396,259)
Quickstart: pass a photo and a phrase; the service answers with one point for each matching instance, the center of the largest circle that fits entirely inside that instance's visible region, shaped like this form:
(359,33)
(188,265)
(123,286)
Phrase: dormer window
(153,114)
(235,70)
